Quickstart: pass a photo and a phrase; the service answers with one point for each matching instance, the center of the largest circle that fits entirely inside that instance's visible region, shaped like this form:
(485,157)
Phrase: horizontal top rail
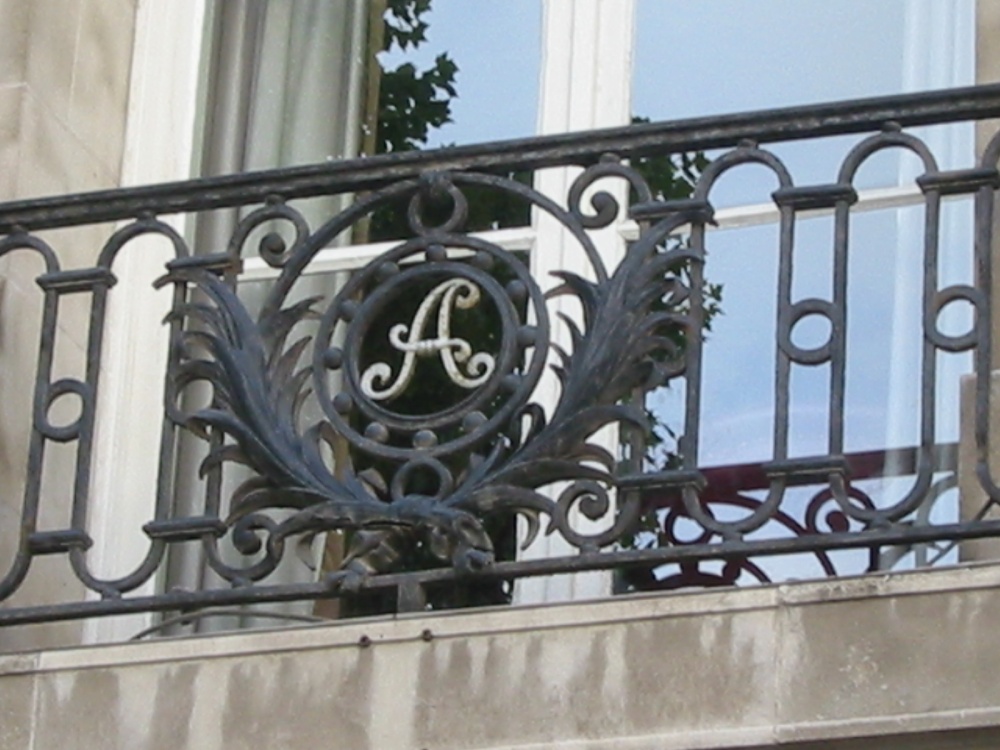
(352,175)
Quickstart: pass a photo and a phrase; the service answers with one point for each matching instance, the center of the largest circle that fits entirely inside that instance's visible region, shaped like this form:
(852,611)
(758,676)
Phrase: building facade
(103,94)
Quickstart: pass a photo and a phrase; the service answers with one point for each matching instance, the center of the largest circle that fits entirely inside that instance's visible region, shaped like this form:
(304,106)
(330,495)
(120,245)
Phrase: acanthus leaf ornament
(466,462)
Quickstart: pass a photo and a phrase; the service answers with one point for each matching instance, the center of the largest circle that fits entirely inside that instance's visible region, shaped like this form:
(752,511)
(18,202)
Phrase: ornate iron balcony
(322,399)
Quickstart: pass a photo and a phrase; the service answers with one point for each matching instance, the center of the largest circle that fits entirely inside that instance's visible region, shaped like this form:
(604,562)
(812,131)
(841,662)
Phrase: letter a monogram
(446,296)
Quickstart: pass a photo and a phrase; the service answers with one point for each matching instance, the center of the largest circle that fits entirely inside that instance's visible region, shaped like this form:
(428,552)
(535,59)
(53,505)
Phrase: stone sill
(895,661)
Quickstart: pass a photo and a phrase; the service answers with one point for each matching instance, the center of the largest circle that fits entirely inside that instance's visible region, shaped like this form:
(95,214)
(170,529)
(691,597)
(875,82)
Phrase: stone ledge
(879,659)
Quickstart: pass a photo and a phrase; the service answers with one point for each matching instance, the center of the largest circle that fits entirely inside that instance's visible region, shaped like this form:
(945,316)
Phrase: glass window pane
(496,81)
(722,56)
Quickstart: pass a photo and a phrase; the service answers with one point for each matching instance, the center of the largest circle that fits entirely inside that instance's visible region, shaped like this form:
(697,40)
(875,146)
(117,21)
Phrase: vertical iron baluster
(43,376)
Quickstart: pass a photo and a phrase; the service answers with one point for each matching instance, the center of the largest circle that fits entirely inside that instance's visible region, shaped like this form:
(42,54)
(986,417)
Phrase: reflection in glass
(721,56)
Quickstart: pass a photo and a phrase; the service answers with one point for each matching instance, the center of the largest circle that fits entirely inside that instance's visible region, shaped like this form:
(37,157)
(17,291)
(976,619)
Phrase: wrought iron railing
(311,393)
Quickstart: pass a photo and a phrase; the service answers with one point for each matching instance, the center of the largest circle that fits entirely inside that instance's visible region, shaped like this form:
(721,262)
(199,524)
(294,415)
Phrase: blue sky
(717,56)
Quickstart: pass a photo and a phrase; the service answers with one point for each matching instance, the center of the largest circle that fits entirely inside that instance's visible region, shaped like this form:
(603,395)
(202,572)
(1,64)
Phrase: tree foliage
(412,103)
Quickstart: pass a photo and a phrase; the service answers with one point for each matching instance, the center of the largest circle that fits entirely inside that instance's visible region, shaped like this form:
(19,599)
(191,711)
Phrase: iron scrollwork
(431,477)
(406,404)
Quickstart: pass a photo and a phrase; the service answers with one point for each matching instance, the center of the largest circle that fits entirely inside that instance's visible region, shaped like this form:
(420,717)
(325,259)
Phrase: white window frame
(160,141)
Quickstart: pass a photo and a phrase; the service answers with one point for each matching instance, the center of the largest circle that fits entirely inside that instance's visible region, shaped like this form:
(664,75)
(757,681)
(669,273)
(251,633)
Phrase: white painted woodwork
(160,133)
